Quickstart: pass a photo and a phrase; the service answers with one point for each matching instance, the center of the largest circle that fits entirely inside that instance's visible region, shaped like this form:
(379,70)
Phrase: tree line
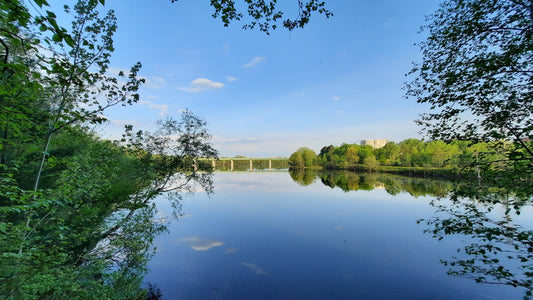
(407,153)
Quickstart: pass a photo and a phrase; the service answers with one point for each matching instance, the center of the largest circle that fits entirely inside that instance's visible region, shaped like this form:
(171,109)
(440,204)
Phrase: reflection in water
(200,244)
(500,250)
(393,184)
(303,177)
(348,245)
(254,268)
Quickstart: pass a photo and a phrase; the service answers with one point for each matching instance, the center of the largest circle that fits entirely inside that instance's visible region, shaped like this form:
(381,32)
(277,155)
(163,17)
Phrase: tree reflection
(393,184)
(303,177)
(90,234)
(500,249)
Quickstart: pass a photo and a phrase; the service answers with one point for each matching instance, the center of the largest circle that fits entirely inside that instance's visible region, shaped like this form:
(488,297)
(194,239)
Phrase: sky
(338,80)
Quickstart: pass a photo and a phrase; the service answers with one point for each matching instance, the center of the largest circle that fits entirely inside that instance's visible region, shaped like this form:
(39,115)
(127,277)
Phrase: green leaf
(69,41)
(57,38)
(40,3)
(51,14)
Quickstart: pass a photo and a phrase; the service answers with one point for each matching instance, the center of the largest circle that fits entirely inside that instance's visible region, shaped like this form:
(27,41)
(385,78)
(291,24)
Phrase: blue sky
(338,80)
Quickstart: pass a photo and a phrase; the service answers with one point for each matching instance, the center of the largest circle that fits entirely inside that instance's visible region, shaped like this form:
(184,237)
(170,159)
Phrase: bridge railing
(249,164)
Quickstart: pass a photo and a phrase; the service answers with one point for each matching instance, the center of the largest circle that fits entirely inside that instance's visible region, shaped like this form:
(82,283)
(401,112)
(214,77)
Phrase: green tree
(296,161)
(265,15)
(409,152)
(477,75)
(437,153)
(75,212)
(327,158)
(302,158)
(365,152)
(370,163)
(388,154)
(351,155)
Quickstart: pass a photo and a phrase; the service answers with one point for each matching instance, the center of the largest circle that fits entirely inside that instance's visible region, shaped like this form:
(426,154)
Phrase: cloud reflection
(254,268)
(201,244)
(231,250)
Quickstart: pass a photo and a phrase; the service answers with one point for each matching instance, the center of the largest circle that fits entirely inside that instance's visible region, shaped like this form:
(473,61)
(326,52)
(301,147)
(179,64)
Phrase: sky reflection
(254,268)
(200,244)
(271,238)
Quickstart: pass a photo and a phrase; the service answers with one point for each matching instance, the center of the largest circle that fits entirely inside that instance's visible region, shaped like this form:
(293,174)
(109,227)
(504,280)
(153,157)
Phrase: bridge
(249,163)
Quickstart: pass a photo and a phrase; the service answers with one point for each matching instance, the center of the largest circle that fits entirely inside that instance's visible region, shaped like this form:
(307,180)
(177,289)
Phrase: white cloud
(254,62)
(123,122)
(116,71)
(335,98)
(202,84)
(154,82)
(163,108)
(231,78)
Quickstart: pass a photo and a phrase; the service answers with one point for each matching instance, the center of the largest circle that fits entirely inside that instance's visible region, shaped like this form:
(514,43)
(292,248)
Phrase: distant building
(375,143)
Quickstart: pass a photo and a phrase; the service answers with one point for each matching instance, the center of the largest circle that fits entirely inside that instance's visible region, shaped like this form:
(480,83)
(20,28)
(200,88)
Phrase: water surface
(264,236)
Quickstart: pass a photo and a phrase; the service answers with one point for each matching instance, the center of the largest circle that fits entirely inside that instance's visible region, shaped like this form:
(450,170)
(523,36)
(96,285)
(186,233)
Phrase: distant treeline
(410,153)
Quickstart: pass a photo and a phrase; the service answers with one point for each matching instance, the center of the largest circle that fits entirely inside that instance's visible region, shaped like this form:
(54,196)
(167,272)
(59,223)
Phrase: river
(267,235)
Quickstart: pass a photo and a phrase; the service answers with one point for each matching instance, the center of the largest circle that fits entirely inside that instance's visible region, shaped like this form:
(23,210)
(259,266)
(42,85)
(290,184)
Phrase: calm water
(264,236)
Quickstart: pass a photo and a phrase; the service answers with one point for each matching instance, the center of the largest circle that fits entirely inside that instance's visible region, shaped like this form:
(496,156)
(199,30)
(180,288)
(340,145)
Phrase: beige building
(375,143)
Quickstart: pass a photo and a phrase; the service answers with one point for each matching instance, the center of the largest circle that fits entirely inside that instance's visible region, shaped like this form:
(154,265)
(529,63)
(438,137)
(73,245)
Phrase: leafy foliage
(265,14)
(499,251)
(303,158)
(408,153)
(76,213)
(477,71)
(476,75)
